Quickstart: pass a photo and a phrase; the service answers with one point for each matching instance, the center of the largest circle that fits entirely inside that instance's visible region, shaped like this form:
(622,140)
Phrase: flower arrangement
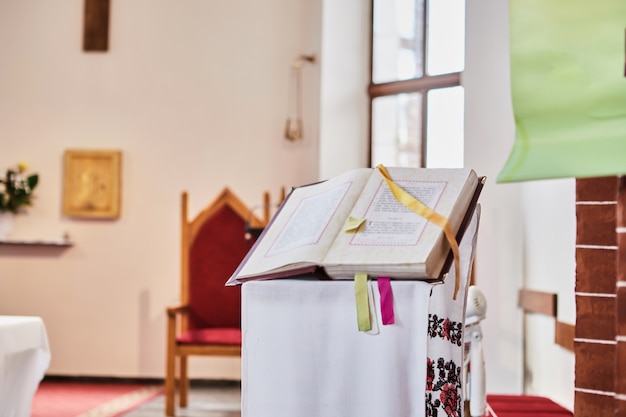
(16,189)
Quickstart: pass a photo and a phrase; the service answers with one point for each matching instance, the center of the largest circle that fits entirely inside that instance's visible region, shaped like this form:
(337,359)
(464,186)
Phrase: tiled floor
(204,401)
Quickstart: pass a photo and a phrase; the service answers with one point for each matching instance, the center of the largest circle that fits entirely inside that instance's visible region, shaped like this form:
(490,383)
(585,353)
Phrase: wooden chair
(208,319)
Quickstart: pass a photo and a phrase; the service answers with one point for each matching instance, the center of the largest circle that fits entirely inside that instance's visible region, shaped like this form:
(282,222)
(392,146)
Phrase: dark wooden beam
(564,335)
(537,302)
(96,25)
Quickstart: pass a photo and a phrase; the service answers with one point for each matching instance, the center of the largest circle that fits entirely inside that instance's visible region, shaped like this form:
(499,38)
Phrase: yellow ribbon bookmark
(362,302)
(421,209)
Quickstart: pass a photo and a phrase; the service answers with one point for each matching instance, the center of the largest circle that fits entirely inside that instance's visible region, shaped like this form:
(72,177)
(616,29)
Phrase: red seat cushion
(525,406)
(215,336)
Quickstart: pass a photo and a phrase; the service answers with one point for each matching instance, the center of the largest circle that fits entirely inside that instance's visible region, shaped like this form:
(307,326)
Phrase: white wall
(344,80)
(527,231)
(489,133)
(549,252)
(194,93)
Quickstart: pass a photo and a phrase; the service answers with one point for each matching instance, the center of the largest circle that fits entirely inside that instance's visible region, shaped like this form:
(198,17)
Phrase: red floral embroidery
(445,329)
(445,378)
(450,399)
(430,374)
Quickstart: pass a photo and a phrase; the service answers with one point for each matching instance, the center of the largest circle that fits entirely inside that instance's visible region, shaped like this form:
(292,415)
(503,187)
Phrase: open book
(353,223)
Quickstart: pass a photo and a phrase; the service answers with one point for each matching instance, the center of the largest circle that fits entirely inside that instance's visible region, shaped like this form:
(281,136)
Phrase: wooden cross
(96,25)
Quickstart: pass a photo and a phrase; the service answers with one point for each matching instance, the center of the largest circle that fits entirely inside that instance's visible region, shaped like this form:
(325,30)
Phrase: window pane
(446,36)
(396,130)
(444,130)
(398,41)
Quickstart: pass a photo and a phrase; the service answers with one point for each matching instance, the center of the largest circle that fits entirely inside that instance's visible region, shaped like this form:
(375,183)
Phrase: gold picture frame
(92,183)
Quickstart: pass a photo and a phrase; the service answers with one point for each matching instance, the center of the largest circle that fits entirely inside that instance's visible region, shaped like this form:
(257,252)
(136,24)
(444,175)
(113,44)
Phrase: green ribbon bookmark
(362,302)
(354,224)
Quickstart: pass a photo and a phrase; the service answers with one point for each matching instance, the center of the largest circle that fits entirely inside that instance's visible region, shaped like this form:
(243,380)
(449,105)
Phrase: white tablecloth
(24,358)
(303,355)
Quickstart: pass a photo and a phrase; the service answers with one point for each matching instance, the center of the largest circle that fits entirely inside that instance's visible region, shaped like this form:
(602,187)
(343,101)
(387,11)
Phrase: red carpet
(524,406)
(93,399)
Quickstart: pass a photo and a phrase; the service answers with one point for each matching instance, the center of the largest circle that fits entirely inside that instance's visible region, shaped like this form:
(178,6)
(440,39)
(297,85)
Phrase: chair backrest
(213,245)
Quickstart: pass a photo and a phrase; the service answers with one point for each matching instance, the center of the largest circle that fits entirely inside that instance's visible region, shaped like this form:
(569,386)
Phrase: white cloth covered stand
(24,359)
(303,355)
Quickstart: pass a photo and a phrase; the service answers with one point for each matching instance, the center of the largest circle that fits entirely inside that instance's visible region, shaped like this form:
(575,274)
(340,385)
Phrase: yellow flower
(22,167)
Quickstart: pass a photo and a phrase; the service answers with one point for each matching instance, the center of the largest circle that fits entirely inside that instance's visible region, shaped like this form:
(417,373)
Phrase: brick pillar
(620,310)
(595,343)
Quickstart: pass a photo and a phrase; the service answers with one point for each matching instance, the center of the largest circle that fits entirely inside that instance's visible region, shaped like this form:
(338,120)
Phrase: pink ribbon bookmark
(386,300)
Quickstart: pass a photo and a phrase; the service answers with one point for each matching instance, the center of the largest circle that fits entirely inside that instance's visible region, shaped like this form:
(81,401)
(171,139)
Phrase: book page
(393,240)
(305,226)
(389,222)
(309,220)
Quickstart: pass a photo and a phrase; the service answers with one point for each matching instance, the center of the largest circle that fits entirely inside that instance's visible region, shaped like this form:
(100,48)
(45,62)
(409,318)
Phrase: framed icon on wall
(92,184)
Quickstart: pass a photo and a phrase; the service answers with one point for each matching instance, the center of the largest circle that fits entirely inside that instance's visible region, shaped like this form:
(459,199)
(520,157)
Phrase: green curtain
(568,88)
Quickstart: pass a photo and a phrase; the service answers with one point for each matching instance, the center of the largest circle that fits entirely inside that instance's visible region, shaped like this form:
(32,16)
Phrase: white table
(303,355)
(24,359)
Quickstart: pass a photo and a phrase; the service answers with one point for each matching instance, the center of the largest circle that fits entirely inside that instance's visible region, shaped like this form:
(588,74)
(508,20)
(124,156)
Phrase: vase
(6,224)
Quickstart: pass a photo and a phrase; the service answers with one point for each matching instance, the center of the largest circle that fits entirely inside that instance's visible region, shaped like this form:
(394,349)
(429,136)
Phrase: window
(418,53)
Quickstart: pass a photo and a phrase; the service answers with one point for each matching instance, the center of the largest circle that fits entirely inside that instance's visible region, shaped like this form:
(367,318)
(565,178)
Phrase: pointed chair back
(214,244)
(208,320)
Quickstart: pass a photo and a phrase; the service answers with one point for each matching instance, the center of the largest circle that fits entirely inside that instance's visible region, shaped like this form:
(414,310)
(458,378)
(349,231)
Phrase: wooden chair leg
(170,383)
(170,368)
(184,382)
